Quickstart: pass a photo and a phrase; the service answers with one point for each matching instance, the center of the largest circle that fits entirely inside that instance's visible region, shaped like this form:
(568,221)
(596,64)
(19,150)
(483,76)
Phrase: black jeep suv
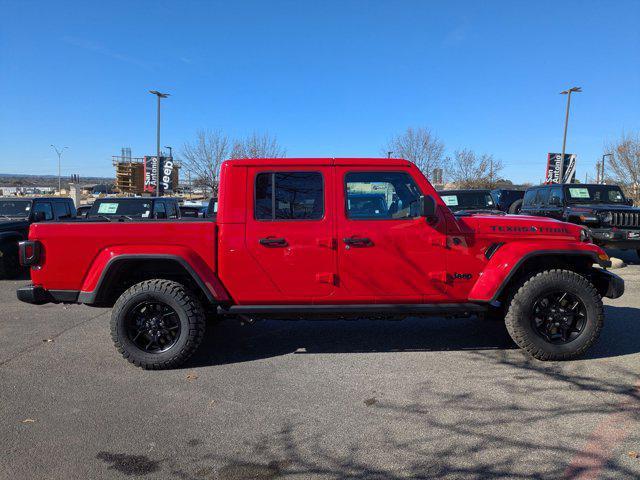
(16,214)
(610,217)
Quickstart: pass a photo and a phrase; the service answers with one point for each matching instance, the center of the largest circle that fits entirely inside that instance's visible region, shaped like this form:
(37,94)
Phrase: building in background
(130,173)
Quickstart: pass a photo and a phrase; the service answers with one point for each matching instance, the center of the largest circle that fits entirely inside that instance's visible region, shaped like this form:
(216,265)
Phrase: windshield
(117,208)
(479,200)
(15,208)
(594,194)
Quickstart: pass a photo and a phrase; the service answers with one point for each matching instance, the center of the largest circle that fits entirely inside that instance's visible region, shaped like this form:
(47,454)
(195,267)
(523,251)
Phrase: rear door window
(62,210)
(529,198)
(289,196)
(44,207)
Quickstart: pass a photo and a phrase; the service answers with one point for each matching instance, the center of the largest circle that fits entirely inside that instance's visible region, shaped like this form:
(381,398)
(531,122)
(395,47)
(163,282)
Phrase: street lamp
(59,152)
(566,123)
(170,151)
(159,95)
(602,167)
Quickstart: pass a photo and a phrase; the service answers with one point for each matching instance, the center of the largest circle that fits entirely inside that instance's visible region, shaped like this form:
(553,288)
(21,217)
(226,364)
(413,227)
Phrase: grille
(625,219)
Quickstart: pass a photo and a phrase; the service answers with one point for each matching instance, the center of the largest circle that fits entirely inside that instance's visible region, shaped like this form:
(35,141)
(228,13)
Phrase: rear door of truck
(290,226)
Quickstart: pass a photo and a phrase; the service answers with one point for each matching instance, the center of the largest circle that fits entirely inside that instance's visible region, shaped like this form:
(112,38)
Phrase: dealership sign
(151,174)
(553,168)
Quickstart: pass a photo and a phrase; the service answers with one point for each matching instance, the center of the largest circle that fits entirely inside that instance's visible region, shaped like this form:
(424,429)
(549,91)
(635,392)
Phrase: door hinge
(328,278)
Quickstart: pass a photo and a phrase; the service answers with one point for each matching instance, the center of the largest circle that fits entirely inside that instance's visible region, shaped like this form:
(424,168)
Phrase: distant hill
(22,180)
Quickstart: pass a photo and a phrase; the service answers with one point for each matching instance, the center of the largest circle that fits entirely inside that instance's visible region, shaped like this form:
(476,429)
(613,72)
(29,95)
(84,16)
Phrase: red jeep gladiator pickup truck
(312,238)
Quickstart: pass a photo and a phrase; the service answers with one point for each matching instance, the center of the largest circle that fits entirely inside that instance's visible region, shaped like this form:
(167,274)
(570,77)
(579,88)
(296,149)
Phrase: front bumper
(616,237)
(608,284)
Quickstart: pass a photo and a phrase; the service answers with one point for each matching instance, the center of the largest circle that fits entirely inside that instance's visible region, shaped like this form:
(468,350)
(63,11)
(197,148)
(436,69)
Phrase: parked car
(290,242)
(508,200)
(135,208)
(464,201)
(610,216)
(16,214)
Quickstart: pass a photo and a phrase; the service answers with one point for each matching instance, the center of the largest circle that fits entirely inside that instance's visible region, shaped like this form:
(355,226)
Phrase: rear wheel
(157,324)
(9,265)
(515,207)
(555,315)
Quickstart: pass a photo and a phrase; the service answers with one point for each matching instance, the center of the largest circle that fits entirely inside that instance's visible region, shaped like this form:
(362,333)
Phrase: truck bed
(75,253)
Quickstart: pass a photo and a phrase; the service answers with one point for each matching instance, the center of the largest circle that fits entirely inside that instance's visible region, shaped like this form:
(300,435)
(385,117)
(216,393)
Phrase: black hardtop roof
(146,199)
(36,198)
(549,185)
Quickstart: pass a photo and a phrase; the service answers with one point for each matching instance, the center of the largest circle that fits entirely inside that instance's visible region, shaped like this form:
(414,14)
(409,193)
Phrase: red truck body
(245,264)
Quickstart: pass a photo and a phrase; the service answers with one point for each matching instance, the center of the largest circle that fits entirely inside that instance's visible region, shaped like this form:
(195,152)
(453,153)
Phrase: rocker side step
(414,309)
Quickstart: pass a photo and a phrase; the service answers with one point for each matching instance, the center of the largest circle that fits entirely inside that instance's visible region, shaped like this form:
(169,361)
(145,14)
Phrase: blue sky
(327,78)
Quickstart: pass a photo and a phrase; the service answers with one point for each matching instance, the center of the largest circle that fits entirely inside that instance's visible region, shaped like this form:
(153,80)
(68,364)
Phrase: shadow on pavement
(230,342)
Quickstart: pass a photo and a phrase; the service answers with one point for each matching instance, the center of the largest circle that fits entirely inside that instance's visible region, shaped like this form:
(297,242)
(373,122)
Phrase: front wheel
(555,315)
(157,324)
(516,207)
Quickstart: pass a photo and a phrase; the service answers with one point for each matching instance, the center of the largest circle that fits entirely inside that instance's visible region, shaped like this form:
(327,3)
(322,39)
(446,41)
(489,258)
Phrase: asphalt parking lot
(420,398)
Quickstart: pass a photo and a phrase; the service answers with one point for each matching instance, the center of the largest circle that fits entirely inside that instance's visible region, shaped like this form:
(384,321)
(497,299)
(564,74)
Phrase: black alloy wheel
(558,317)
(153,326)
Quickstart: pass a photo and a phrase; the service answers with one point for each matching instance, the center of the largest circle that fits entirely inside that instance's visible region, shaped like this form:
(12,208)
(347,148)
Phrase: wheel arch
(122,271)
(504,271)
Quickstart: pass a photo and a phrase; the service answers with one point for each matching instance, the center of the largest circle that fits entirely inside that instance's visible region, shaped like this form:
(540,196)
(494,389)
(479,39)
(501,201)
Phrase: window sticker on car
(450,200)
(108,208)
(579,192)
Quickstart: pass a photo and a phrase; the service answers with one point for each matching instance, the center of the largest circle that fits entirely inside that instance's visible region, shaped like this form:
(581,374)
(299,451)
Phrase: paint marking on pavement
(587,464)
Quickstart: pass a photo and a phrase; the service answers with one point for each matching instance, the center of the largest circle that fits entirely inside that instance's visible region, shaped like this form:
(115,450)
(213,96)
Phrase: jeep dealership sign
(151,174)
(553,168)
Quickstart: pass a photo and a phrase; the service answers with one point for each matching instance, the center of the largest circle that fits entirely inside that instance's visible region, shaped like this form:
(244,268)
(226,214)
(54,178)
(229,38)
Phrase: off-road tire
(515,207)
(9,265)
(518,319)
(190,314)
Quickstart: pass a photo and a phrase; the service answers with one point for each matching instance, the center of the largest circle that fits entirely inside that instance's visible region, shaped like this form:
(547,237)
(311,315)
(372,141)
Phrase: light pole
(389,154)
(602,167)
(170,151)
(159,95)
(566,123)
(59,152)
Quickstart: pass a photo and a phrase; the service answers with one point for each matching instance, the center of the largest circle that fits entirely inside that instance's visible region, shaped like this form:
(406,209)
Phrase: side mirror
(39,217)
(630,202)
(427,206)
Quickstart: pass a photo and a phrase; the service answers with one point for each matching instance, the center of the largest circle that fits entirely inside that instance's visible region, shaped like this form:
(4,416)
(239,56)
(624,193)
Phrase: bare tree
(624,164)
(469,170)
(204,155)
(258,146)
(420,146)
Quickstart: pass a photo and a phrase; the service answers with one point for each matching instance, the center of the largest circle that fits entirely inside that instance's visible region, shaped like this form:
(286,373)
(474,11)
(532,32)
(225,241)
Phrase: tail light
(29,253)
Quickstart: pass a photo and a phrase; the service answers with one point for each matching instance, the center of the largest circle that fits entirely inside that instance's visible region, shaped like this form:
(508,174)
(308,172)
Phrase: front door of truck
(387,253)
(290,230)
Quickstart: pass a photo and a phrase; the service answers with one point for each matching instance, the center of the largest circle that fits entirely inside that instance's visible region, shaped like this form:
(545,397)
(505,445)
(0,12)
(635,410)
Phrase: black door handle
(273,242)
(358,241)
